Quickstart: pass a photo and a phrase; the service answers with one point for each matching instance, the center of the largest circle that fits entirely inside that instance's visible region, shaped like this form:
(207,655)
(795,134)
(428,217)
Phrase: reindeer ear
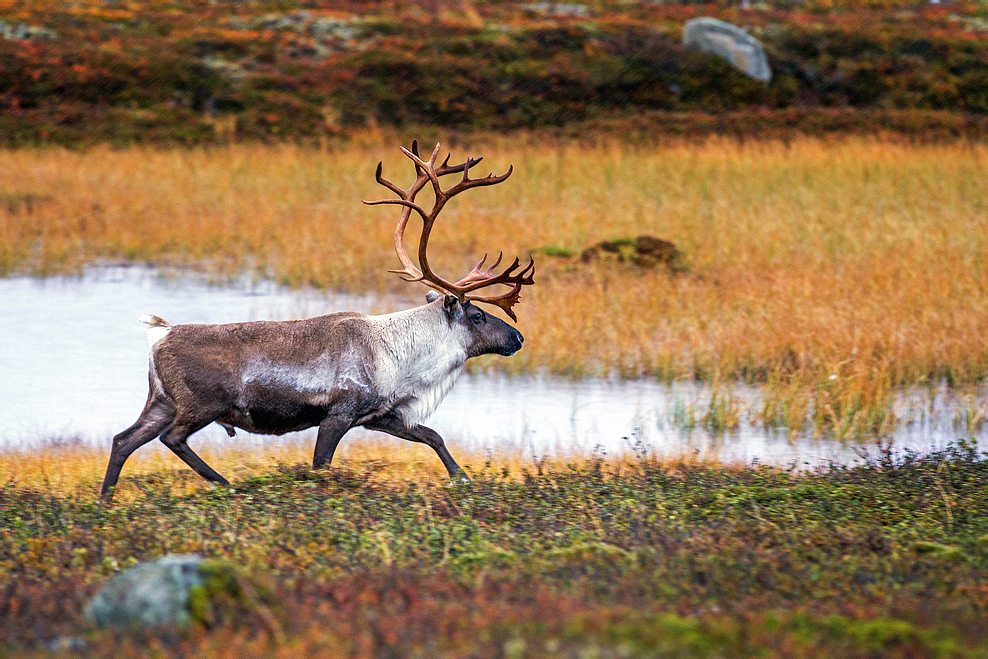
(451,304)
(431,297)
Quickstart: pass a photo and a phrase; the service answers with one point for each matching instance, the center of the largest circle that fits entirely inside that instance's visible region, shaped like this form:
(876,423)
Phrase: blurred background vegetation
(191,72)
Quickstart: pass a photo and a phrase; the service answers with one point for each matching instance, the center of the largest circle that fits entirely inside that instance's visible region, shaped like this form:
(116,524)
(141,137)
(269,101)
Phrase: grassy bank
(831,273)
(610,558)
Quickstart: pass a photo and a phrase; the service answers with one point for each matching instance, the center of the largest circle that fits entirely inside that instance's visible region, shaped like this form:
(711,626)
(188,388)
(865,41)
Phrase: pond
(73,361)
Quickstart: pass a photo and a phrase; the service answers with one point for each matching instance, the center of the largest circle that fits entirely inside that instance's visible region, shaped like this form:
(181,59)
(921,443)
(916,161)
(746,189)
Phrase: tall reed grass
(831,272)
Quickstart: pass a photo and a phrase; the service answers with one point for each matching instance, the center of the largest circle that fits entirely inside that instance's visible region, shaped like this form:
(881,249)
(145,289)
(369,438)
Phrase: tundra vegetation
(833,263)
(640,557)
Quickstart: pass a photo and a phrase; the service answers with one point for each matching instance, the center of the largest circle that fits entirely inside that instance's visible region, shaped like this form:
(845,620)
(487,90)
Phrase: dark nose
(513,344)
(519,339)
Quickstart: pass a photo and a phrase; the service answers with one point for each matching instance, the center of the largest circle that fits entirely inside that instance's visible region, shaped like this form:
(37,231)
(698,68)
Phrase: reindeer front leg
(393,425)
(331,431)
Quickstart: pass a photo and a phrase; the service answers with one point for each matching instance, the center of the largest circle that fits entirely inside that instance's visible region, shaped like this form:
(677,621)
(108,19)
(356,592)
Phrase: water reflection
(73,362)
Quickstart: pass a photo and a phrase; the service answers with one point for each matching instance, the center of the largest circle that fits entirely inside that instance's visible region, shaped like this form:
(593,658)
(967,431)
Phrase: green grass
(639,558)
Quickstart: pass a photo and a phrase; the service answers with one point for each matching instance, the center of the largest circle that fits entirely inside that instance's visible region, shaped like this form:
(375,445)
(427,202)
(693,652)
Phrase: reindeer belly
(274,410)
(278,397)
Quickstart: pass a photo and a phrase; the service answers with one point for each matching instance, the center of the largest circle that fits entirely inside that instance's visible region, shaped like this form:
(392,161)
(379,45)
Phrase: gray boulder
(740,49)
(152,594)
(23,31)
(557,9)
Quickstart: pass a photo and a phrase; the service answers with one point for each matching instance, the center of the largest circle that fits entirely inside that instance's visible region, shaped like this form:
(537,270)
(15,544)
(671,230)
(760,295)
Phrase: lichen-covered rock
(643,251)
(743,51)
(181,590)
(26,32)
(148,594)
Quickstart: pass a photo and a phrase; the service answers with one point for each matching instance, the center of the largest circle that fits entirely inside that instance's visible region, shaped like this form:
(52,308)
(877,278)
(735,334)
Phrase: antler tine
(477,274)
(415,150)
(506,301)
(524,278)
(428,167)
(405,275)
(477,279)
(414,157)
(465,182)
(402,202)
(446,168)
(386,183)
(468,182)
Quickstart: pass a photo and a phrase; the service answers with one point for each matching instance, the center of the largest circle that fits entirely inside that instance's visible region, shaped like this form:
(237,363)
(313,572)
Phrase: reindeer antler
(478,278)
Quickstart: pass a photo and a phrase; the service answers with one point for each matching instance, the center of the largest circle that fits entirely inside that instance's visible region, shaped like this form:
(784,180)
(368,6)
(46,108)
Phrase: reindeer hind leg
(157,415)
(176,438)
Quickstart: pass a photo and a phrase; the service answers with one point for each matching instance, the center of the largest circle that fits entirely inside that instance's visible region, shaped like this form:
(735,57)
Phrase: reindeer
(338,371)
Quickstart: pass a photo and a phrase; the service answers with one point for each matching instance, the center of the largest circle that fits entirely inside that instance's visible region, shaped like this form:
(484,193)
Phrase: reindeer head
(486,334)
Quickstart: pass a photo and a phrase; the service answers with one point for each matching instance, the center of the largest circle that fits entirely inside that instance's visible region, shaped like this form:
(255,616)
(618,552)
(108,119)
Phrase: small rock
(183,589)
(66,644)
(557,9)
(651,251)
(25,32)
(152,594)
(643,251)
(740,49)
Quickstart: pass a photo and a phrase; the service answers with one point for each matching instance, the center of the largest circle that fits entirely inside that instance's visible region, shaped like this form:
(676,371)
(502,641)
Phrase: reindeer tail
(157,328)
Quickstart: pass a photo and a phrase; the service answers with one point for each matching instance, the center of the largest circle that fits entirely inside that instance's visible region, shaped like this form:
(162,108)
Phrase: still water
(73,366)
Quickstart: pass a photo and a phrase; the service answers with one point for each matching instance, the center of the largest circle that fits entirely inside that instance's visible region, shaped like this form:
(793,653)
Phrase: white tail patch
(157,329)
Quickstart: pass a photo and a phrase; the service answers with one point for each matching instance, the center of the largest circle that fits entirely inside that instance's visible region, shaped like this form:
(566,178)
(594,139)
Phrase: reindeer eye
(478,318)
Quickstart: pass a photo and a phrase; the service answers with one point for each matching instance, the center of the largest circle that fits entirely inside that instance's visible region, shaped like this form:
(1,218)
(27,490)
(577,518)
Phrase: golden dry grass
(77,468)
(832,272)
(66,469)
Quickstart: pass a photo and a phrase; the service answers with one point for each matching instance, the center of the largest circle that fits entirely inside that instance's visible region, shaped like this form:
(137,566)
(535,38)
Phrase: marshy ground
(830,274)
